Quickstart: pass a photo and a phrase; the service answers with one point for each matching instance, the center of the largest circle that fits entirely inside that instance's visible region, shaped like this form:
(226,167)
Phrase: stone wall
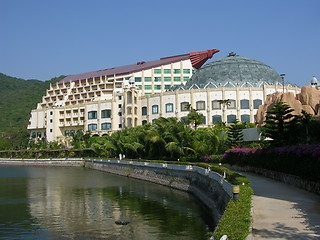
(57,162)
(209,187)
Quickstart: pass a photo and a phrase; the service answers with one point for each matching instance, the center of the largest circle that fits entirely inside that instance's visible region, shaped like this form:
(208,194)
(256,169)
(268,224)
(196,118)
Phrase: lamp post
(282,77)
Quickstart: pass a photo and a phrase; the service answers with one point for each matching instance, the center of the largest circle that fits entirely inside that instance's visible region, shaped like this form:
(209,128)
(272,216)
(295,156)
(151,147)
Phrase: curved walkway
(282,211)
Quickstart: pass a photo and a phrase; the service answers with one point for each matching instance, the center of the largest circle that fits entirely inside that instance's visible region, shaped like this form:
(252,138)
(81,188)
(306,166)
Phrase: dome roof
(234,71)
(314,80)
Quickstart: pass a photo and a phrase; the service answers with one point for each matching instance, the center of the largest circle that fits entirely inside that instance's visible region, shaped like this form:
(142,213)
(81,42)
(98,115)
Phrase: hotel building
(108,100)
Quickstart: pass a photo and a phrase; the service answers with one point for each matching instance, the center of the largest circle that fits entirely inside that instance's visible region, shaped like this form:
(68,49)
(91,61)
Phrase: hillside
(17,98)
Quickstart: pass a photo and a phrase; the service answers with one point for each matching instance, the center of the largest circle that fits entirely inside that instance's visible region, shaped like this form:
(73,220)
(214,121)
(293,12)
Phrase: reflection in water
(77,203)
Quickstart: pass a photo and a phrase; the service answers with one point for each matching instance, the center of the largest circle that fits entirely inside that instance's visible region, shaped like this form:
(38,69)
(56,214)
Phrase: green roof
(234,71)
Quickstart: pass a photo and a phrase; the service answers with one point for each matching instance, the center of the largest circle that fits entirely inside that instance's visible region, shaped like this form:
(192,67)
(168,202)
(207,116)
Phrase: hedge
(302,160)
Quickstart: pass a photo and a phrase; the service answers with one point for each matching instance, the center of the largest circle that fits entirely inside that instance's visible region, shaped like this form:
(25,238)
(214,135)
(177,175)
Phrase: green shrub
(236,220)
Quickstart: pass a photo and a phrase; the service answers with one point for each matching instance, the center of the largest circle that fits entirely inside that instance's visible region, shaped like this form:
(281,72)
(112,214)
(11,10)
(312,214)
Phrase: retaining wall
(61,162)
(209,187)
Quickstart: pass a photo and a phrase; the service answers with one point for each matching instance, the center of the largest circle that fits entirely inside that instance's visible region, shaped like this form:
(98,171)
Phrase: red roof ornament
(199,58)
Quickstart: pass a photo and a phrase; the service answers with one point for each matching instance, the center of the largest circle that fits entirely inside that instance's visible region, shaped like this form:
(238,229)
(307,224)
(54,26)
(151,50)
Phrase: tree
(194,118)
(280,124)
(235,135)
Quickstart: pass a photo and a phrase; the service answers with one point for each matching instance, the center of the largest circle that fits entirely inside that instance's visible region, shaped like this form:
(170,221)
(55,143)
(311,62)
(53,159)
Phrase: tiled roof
(197,60)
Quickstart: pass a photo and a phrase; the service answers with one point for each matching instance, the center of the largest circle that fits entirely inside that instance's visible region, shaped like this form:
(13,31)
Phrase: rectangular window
(119,105)
(200,105)
(120,125)
(169,107)
(106,113)
(51,130)
(92,115)
(147,79)
(257,103)
(51,113)
(177,79)
(186,70)
(166,71)
(147,94)
(185,106)
(92,127)
(105,126)
(232,104)
(119,97)
(244,104)
(157,79)
(50,120)
(167,79)
(157,71)
(157,87)
(155,109)
(147,87)
(185,78)
(137,79)
(167,86)
(216,104)
(120,114)
(177,71)
(140,86)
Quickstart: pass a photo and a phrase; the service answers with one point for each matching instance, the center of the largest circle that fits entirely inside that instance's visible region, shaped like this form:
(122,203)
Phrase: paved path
(281,211)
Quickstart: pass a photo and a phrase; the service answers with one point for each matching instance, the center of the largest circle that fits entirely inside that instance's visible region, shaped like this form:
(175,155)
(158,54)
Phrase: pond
(79,203)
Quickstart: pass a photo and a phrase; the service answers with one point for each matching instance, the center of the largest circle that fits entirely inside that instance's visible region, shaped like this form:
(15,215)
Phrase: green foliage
(235,135)
(165,138)
(280,124)
(194,118)
(236,220)
(302,160)
(17,98)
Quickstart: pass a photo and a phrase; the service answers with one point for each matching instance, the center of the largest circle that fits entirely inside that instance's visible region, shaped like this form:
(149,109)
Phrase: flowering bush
(212,158)
(302,160)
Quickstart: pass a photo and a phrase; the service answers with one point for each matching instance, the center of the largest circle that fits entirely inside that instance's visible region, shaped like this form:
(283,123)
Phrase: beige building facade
(109,100)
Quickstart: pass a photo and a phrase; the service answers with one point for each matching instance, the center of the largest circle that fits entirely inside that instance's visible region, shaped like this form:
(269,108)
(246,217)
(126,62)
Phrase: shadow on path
(283,211)
(281,231)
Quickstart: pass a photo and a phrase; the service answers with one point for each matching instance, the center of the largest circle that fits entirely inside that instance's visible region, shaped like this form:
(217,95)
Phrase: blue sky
(41,39)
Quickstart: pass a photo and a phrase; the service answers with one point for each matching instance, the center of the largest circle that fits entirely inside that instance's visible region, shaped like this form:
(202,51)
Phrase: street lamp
(282,77)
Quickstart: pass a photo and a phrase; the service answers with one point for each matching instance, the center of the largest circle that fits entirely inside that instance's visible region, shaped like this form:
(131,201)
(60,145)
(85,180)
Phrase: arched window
(92,115)
(169,107)
(106,113)
(231,117)
(245,118)
(244,104)
(155,109)
(216,118)
(144,122)
(105,126)
(257,103)
(92,127)
(144,111)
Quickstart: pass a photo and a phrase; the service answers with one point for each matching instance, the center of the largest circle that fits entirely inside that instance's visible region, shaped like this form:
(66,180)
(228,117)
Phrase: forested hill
(17,98)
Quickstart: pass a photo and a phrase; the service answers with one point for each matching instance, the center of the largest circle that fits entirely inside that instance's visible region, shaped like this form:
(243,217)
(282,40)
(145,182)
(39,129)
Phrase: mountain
(17,98)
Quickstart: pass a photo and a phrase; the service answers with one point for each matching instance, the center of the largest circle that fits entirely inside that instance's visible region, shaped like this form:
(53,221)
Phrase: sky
(42,39)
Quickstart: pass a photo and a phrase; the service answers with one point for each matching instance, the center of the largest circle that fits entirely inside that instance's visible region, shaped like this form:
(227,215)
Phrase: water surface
(79,203)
